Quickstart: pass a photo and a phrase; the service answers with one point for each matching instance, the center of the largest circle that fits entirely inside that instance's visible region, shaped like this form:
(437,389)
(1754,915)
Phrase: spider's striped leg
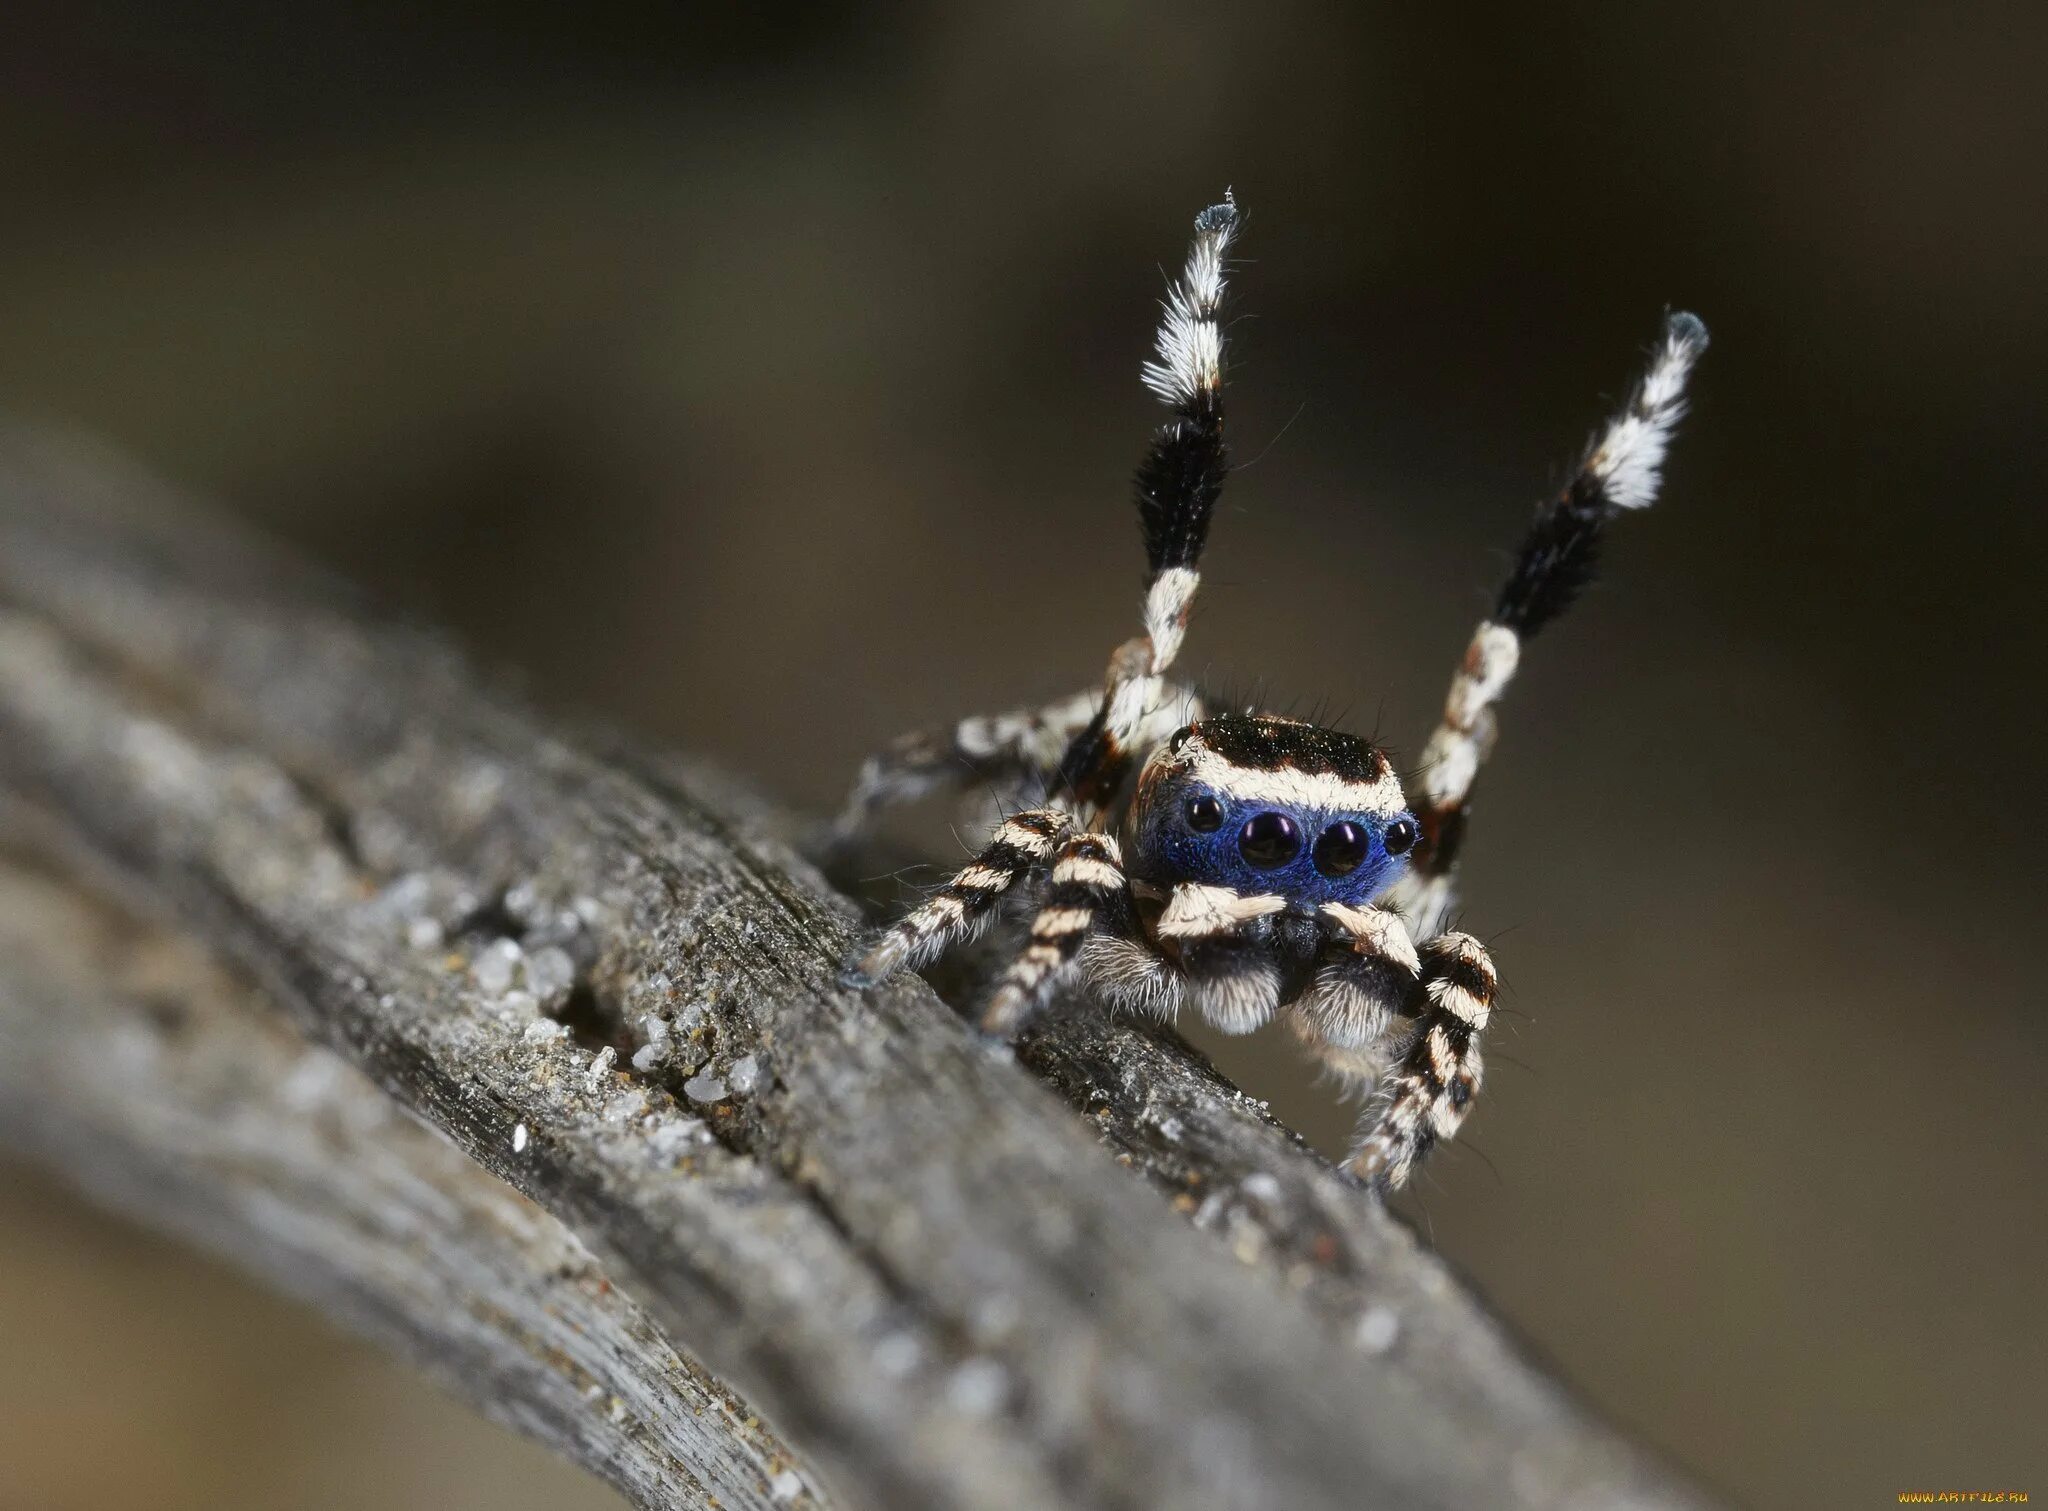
(1178,484)
(1016,750)
(1015,755)
(966,905)
(1436,1072)
(1620,472)
(1087,894)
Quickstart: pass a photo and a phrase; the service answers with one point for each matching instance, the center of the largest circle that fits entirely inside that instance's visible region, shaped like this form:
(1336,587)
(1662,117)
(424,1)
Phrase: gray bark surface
(939,1284)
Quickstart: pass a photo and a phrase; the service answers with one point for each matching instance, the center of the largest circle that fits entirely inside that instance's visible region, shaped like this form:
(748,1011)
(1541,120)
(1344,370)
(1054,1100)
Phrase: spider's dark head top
(1268,805)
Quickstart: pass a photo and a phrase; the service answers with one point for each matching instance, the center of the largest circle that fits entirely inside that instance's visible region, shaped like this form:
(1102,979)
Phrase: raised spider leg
(966,905)
(1087,895)
(1178,484)
(1435,1073)
(1620,471)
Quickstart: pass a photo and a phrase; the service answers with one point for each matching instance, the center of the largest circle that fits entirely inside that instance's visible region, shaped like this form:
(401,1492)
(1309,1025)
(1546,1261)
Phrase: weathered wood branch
(136,1066)
(906,1252)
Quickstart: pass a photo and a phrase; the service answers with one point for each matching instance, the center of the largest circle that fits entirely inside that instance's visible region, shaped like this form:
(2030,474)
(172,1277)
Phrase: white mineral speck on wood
(704,1089)
(519,1139)
(786,1486)
(745,1075)
(545,1031)
(978,1388)
(550,973)
(495,966)
(897,1355)
(1261,1188)
(670,1137)
(646,1057)
(425,934)
(1378,1329)
(602,1065)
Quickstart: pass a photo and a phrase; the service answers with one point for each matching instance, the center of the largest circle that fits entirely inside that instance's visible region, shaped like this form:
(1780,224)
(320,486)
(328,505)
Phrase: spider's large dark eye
(1204,814)
(1342,849)
(1269,840)
(1401,836)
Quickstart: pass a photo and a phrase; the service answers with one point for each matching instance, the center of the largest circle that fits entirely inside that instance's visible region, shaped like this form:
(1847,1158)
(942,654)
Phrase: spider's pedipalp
(1367,975)
(964,906)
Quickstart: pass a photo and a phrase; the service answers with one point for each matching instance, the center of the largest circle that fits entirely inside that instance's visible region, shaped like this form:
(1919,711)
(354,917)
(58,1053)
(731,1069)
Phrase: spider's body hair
(1243,865)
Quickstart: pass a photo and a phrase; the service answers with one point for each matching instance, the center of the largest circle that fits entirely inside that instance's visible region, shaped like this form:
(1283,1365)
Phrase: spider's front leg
(1436,1071)
(966,905)
(1087,896)
(1373,972)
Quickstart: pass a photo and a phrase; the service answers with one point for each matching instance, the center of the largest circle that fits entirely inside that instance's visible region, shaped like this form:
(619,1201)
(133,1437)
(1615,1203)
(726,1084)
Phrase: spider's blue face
(1265,805)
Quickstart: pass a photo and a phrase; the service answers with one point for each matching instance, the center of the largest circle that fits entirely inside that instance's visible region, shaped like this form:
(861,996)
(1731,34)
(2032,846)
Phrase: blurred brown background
(716,368)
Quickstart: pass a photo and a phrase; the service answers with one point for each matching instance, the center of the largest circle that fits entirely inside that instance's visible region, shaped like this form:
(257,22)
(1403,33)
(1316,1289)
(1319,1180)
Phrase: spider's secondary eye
(1269,840)
(1204,814)
(1401,836)
(1342,848)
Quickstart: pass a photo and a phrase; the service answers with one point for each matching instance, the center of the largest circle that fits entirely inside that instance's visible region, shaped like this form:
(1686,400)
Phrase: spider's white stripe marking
(1166,612)
(1450,763)
(937,913)
(1288,787)
(1488,667)
(1459,1003)
(1055,922)
(1131,701)
(1089,872)
(1196,911)
(982,879)
(1631,453)
(1025,838)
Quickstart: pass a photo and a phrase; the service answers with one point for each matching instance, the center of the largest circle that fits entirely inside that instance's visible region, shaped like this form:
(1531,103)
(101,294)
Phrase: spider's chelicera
(1243,865)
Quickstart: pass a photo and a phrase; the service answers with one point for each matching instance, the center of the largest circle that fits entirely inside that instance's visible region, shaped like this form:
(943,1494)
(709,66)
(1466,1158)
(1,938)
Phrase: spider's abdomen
(1268,806)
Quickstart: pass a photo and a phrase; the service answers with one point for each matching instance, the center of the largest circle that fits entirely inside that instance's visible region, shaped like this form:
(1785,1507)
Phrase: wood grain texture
(902,1247)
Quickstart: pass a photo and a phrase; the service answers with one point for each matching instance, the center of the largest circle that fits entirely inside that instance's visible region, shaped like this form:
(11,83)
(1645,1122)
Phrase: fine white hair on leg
(1236,990)
(1130,976)
(1190,342)
(1629,456)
